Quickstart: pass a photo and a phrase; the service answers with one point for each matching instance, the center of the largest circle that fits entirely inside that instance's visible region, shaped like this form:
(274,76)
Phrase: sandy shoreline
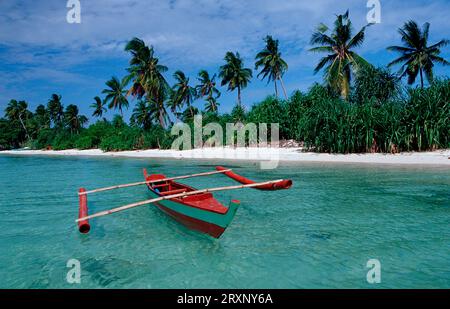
(440,157)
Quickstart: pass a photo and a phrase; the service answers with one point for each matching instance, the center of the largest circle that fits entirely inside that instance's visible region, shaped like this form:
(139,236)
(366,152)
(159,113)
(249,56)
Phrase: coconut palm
(116,94)
(183,93)
(207,88)
(42,117)
(56,110)
(234,74)
(147,76)
(238,113)
(143,114)
(174,104)
(211,104)
(273,66)
(416,56)
(73,120)
(18,111)
(341,60)
(189,113)
(99,107)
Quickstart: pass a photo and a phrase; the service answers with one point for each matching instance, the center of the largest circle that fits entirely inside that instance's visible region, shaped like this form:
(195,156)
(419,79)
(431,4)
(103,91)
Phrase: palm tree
(73,120)
(42,117)
(17,111)
(189,113)
(99,107)
(238,114)
(174,104)
(147,76)
(273,66)
(234,74)
(207,87)
(341,60)
(56,110)
(143,114)
(211,104)
(417,57)
(116,94)
(183,93)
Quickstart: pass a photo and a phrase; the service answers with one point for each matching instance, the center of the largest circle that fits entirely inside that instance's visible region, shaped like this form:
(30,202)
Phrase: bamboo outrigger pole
(154,200)
(151,181)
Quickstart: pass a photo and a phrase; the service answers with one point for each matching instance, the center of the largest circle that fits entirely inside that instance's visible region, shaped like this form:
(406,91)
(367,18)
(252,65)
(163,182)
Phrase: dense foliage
(418,119)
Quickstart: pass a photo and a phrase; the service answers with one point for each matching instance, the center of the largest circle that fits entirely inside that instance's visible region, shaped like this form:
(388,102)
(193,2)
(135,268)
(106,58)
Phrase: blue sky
(41,54)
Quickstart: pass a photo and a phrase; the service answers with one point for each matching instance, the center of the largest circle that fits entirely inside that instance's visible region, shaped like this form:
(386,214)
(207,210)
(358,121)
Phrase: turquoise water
(319,234)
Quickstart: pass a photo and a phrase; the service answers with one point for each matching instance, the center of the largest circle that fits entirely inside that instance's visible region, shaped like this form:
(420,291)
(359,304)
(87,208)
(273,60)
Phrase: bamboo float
(151,181)
(125,207)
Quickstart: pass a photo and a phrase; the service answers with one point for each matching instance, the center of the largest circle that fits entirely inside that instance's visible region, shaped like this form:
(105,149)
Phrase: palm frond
(317,49)
(323,62)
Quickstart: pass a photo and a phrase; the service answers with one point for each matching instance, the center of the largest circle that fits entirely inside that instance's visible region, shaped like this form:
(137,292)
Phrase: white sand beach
(440,157)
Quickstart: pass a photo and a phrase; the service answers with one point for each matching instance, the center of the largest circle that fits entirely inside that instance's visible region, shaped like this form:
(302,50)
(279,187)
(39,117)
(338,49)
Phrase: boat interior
(205,201)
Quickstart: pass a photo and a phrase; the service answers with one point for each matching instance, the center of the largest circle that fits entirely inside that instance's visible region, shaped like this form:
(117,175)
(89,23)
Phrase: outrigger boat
(196,209)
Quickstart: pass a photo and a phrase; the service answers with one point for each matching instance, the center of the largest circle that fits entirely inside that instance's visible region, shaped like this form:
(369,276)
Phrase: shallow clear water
(319,234)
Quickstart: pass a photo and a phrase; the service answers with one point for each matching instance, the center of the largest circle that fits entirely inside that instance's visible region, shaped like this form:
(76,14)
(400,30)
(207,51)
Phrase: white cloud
(191,31)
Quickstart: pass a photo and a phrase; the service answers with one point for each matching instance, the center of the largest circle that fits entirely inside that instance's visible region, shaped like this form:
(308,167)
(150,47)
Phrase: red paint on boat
(282,184)
(83,226)
(203,201)
(193,223)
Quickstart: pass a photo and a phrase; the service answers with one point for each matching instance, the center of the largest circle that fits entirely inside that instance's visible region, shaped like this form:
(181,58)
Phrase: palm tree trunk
(284,89)
(161,120)
(276,88)
(239,96)
(421,78)
(192,112)
(23,125)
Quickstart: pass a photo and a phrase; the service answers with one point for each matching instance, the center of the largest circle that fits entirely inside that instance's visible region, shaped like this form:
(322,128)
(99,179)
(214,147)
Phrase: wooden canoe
(199,212)
(196,209)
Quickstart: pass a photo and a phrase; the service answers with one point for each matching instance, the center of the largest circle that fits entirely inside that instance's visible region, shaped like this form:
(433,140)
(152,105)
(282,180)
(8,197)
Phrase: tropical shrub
(270,110)
(124,138)
(427,117)
(374,84)
(156,138)
(84,142)
(63,140)
(9,135)
(44,139)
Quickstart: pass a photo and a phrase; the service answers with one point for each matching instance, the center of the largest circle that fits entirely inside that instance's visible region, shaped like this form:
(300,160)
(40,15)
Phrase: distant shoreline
(439,157)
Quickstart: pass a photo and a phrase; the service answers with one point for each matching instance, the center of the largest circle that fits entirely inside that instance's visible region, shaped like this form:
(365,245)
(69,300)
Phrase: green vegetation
(341,60)
(234,74)
(416,55)
(359,108)
(207,88)
(273,66)
(116,94)
(147,77)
